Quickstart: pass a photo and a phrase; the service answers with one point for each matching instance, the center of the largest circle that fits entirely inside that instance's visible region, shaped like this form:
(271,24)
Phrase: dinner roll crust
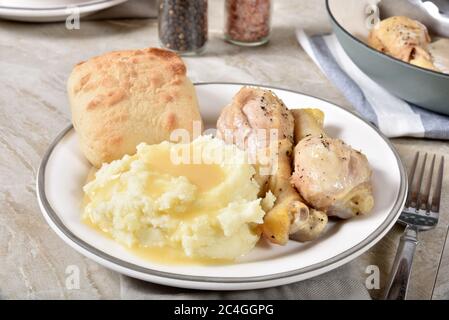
(123,98)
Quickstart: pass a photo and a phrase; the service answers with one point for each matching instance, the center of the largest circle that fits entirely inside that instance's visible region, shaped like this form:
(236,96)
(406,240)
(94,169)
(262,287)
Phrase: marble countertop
(35,60)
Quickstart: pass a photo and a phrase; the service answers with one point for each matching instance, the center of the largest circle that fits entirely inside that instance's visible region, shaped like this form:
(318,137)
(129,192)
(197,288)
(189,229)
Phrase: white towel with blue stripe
(393,116)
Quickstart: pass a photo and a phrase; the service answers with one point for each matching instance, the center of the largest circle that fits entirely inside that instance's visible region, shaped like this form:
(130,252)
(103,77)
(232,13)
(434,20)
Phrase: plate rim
(58,10)
(356,250)
(58,7)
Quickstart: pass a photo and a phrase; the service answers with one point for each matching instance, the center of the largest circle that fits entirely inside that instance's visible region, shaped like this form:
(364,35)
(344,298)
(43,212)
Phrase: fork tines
(419,197)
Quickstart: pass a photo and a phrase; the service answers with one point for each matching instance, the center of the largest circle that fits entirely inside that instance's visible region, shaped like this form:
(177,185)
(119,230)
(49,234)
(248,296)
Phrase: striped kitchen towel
(393,116)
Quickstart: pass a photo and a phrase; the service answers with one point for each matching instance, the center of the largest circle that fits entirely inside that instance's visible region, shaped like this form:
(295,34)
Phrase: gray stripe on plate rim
(392,216)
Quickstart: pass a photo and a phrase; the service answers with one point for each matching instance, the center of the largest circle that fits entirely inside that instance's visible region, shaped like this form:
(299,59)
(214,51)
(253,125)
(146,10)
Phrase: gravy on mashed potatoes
(208,210)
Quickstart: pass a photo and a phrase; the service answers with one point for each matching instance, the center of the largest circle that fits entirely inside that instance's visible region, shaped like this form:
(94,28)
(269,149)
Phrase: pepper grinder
(183,25)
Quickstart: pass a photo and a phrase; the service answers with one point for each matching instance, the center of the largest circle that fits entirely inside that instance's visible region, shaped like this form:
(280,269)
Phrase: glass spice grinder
(183,25)
(247,22)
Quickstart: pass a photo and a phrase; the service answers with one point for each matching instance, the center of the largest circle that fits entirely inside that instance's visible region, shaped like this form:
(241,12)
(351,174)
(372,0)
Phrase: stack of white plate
(51,10)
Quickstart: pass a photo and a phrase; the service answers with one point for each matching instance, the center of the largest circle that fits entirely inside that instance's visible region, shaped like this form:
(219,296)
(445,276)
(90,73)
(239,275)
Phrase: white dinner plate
(51,10)
(64,170)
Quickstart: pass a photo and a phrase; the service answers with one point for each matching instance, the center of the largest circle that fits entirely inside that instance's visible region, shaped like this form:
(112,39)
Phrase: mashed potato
(209,210)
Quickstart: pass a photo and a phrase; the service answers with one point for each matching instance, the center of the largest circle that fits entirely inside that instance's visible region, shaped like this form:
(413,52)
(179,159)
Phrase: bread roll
(123,98)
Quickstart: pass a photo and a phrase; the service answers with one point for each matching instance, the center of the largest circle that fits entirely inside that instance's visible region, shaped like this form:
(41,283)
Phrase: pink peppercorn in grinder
(247,22)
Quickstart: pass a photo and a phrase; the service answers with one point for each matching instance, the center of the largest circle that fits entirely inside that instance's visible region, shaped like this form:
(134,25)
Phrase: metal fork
(420,214)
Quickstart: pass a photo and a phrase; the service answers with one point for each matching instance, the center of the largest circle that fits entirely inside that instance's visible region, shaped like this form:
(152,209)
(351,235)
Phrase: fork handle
(397,284)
